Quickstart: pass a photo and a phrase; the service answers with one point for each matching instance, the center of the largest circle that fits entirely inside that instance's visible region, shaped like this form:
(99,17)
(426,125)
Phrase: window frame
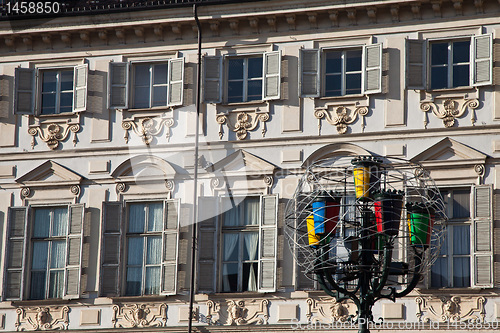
(343,72)
(449,65)
(245,79)
(151,85)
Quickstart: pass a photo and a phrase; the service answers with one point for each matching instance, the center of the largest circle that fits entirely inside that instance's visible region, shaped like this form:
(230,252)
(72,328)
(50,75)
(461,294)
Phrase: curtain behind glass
(251,245)
(39,263)
(134,265)
(230,242)
(42,223)
(252,211)
(137,216)
(60,225)
(153,255)
(461,265)
(231,213)
(155,217)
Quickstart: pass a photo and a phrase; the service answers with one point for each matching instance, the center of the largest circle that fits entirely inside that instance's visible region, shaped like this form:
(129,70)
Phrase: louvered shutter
(272,75)
(415,64)
(482,55)
(212,84)
(5,93)
(111,242)
(482,258)
(207,244)
(80,83)
(268,244)
(118,85)
(170,248)
(310,73)
(24,98)
(15,254)
(176,81)
(74,243)
(372,69)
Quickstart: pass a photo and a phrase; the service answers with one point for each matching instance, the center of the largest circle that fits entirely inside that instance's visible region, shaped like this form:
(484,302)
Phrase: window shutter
(309,69)
(111,241)
(81,75)
(272,75)
(176,81)
(170,247)
(372,69)
(482,259)
(5,94)
(118,85)
(415,64)
(482,55)
(24,99)
(207,244)
(268,244)
(74,243)
(212,92)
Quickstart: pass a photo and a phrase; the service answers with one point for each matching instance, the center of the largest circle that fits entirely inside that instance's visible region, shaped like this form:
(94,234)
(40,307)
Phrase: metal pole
(195,195)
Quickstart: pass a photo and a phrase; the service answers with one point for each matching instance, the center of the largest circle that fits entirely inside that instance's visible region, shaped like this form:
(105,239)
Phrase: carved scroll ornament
(327,311)
(42,318)
(446,309)
(245,121)
(139,315)
(147,128)
(53,134)
(341,117)
(450,111)
(251,312)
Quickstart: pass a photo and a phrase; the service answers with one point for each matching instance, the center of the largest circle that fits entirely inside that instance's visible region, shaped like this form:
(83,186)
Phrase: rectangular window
(450,64)
(150,85)
(244,79)
(57,91)
(342,72)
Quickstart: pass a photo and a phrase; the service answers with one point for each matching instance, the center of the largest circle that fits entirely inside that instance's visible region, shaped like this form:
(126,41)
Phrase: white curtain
(230,242)
(136,217)
(252,211)
(461,265)
(251,244)
(155,218)
(231,213)
(60,222)
(42,223)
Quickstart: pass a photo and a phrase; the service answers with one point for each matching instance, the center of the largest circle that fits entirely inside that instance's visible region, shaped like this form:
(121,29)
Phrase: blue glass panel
(58,254)
(235,69)
(48,103)
(235,91)
(353,84)
(37,285)
(137,217)
(153,252)
(141,97)
(152,281)
(40,255)
(461,75)
(254,67)
(142,77)
(333,85)
(333,62)
(66,80)
(135,250)
(461,52)
(134,281)
(231,247)
(56,284)
(155,216)
(66,102)
(461,203)
(439,54)
(49,81)
(230,277)
(160,74)
(439,273)
(439,77)
(42,223)
(461,239)
(254,90)
(461,272)
(160,95)
(353,60)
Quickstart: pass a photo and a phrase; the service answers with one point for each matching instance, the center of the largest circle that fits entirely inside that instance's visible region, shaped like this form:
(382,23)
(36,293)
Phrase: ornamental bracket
(341,118)
(53,134)
(245,121)
(148,127)
(450,111)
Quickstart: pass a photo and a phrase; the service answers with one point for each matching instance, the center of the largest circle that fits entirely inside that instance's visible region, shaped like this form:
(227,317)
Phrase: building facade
(97,132)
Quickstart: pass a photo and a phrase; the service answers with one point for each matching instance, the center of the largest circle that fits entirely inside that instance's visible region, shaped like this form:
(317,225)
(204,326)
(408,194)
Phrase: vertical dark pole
(195,210)
(364,276)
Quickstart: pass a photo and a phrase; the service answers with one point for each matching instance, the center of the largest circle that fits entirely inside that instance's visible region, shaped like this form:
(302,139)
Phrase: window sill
(50,301)
(345,97)
(61,118)
(256,103)
(153,109)
(145,298)
(448,290)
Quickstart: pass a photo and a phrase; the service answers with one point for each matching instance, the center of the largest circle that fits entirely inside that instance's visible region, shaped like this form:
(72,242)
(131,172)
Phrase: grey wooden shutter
(176,81)
(111,242)
(372,69)
(212,84)
(24,98)
(310,73)
(5,96)
(80,82)
(268,244)
(15,254)
(118,81)
(207,244)
(482,257)
(415,64)
(170,247)
(74,244)
(272,75)
(482,56)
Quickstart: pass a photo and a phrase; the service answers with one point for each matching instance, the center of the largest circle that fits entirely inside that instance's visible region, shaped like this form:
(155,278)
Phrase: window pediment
(49,173)
(242,163)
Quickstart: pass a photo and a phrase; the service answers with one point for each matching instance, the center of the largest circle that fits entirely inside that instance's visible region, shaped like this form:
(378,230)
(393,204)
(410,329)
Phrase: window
(466,257)
(247,78)
(246,228)
(147,263)
(461,62)
(150,84)
(335,72)
(47,91)
(52,238)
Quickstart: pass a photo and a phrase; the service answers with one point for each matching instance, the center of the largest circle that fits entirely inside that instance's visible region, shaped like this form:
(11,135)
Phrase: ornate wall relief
(53,134)
(450,110)
(454,308)
(242,122)
(148,127)
(340,116)
(328,310)
(139,315)
(42,318)
(247,312)
(213,314)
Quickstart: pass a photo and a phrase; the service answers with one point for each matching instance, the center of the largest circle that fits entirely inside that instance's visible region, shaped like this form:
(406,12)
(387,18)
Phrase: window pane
(461,52)
(235,91)
(232,212)
(134,277)
(250,246)
(254,90)
(155,218)
(153,252)
(142,75)
(230,277)
(252,211)
(141,97)
(461,272)
(48,103)
(250,273)
(439,77)
(42,223)
(461,239)
(152,281)
(160,74)
(37,285)
(56,284)
(60,225)
(135,250)
(333,85)
(333,62)
(58,254)
(461,204)
(66,80)
(137,216)
(254,67)
(66,103)
(231,246)
(235,69)
(461,75)
(353,61)
(439,54)
(439,273)
(160,96)
(353,84)
(40,255)
(49,81)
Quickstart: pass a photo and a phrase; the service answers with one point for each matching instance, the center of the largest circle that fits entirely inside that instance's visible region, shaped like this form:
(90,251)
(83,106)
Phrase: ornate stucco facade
(97,120)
